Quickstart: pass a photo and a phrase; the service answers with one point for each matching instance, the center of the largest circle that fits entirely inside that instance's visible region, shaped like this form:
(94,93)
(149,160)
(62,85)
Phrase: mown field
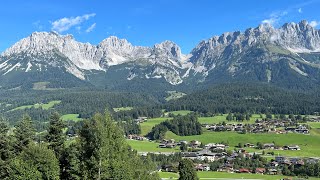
(122,109)
(71,117)
(315,125)
(43,106)
(309,144)
(174,95)
(223,117)
(147,146)
(226,176)
(147,126)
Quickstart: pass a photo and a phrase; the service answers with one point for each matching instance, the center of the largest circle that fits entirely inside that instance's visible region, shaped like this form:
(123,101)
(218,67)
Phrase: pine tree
(186,170)
(70,162)
(4,141)
(20,169)
(55,136)
(104,153)
(5,149)
(37,159)
(24,133)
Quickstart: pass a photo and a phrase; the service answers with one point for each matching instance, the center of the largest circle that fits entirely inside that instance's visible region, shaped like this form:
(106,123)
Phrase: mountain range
(286,56)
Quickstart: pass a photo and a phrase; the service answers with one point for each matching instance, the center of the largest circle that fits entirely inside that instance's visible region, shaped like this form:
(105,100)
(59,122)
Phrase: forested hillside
(253,98)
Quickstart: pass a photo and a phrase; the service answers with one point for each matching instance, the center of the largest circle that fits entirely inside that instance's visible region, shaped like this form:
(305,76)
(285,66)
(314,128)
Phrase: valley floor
(227,176)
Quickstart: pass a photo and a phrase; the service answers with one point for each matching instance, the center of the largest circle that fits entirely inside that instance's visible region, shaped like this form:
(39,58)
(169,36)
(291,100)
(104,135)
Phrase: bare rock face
(230,50)
(79,57)
(230,54)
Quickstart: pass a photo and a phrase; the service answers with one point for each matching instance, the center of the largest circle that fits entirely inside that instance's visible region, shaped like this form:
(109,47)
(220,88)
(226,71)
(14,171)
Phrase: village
(204,155)
(220,157)
(260,126)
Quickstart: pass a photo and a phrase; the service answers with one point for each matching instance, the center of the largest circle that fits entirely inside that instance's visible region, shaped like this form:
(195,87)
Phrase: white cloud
(300,10)
(274,17)
(91,27)
(65,23)
(314,23)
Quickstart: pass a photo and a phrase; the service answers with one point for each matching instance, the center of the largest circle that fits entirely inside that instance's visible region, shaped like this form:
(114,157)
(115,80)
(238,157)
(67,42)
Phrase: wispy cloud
(314,23)
(65,23)
(274,17)
(91,27)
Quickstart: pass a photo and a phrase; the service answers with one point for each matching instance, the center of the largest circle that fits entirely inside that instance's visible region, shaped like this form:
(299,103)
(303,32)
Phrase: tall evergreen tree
(20,170)
(24,133)
(4,141)
(55,136)
(186,170)
(70,162)
(5,149)
(105,154)
(35,157)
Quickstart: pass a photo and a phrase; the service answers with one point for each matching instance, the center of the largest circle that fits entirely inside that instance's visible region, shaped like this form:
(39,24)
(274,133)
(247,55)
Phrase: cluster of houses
(286,147)
(141,120)
(314,118)
(272,168)
(136,137)
(260,126)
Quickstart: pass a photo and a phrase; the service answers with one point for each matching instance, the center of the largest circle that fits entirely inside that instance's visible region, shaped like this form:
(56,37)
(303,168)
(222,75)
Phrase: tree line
(99,152)
(180,125)
(247,98)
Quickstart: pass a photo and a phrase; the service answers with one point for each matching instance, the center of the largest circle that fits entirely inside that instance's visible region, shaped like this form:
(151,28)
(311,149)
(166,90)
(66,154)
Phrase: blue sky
(146,22)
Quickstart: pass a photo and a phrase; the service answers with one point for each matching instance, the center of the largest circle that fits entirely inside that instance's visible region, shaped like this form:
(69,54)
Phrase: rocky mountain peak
(115,42)
(168,49)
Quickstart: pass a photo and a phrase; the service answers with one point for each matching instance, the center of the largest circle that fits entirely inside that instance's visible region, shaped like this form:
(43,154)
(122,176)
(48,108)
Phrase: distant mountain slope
(288,56)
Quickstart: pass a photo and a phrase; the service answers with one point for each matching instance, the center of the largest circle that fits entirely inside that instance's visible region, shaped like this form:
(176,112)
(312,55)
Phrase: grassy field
(72,117)
(147,126)
(183,112)
(174,95)
(42,86)
(226,176)
(314,125)
(221,118)
(147,146)
(309,144)
(122,109)
(43,106)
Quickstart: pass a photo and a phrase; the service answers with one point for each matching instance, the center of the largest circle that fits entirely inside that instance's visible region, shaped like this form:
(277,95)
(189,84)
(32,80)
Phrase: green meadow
(43,106)
(122,109)
(147,126)
(315,125)
(71,117)
(147,146)
(226,176)
(309,144)
(182,112)
(223,117)
(174,95)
